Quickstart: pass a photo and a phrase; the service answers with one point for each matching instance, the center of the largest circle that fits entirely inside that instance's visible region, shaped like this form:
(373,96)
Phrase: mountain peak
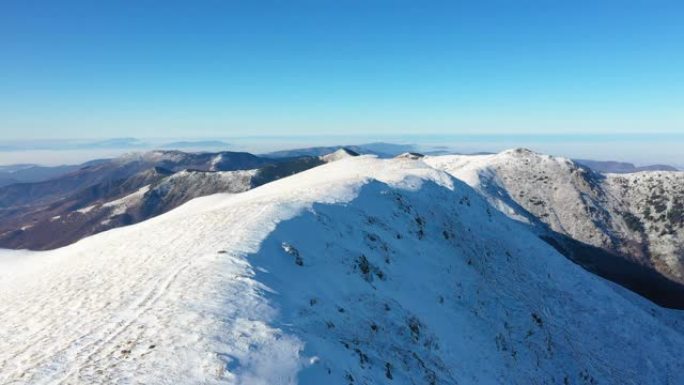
(341,153)
(520,151)
(411,155)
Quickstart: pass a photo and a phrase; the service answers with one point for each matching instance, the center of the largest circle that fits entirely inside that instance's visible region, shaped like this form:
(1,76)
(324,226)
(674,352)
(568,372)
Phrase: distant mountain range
(115,143)
(199,144)
(621,167)
(129,189)
(31,173)
(382,150)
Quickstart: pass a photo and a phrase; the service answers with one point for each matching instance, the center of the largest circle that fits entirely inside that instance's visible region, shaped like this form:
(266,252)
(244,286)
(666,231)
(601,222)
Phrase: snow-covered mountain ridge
(142,195)
(638,216)
(361,271)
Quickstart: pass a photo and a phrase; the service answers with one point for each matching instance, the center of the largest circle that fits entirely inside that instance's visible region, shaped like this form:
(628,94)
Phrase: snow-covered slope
(654,212)
(553,189)
(172,191)
(605,211)
(361,271)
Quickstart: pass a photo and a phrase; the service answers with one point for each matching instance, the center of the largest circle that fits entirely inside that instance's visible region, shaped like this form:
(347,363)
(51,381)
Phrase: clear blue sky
(230,68)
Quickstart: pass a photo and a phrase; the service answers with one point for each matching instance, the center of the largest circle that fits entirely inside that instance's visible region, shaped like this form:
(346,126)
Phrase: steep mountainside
(595,209)
(654,213)
(361,271)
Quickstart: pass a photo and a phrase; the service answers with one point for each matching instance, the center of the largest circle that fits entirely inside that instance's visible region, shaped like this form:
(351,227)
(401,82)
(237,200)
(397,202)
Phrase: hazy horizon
(634,148)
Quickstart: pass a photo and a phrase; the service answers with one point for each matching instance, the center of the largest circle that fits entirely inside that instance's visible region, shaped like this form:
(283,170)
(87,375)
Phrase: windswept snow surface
(361,271)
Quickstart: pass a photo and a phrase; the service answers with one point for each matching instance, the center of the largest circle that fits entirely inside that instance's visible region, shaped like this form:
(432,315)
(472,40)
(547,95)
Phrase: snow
(495,174)
(215,162)
(151,156)
(86,210)
(119,206)
(190,184)
(342,153)
(13,262)
(213,177)
(586,206)
(404,273)
(410,155)
(654,197)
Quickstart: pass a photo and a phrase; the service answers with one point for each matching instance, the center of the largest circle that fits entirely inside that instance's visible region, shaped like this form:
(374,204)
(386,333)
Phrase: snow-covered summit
(360,271)
(596,209)
(411,155)
(341,153)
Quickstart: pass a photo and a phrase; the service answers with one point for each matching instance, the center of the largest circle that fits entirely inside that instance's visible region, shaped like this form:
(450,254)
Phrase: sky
(145,69)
